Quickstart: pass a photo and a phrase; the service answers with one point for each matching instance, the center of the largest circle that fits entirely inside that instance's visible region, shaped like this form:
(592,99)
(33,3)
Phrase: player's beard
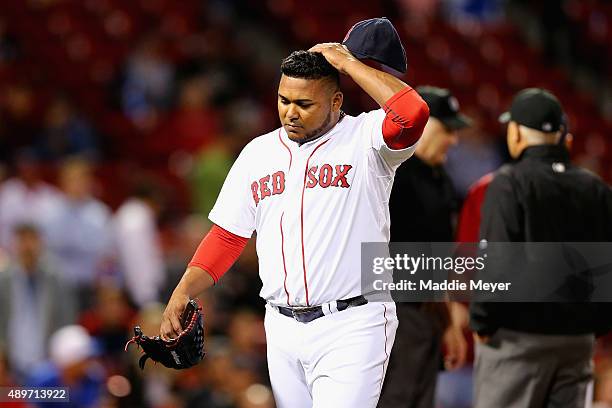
(318,132)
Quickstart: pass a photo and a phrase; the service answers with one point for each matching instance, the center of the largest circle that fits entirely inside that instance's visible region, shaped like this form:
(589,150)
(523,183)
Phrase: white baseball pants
(338,360)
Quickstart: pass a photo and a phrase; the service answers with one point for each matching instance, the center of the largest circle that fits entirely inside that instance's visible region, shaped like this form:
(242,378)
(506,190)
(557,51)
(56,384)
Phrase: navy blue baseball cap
(378,40)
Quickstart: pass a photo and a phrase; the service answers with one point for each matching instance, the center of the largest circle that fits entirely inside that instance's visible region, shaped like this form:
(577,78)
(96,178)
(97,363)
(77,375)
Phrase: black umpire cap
(444,107)
(537,109)
(378,40)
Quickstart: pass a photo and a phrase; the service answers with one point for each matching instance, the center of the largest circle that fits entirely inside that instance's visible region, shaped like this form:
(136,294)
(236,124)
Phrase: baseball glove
(185,351)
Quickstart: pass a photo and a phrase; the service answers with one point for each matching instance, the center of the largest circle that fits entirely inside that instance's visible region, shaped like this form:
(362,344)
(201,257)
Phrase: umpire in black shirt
(423,200)
(539,354)
(422,207)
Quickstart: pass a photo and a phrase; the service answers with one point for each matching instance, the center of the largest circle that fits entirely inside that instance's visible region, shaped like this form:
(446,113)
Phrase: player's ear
(337,100)
(512,138)
(514,133)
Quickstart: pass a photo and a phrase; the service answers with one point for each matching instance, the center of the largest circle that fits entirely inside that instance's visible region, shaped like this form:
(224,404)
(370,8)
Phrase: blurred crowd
(118,124)
(76,276)
(97,227)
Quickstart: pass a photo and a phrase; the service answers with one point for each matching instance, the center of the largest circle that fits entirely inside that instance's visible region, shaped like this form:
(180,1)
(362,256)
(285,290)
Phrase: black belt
(308,314)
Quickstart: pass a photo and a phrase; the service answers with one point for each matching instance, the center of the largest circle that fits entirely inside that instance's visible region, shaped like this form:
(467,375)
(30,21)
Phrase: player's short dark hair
(309,65)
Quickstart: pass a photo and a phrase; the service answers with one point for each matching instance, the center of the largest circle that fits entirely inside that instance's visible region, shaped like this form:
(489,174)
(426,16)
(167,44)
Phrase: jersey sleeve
(372,126)
(234,209)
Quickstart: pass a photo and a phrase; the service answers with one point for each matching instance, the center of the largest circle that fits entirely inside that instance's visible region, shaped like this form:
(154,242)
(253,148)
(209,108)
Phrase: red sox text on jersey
(325,176)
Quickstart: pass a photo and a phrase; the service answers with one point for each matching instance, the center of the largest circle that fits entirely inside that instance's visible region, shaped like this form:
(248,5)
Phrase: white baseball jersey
(312,205)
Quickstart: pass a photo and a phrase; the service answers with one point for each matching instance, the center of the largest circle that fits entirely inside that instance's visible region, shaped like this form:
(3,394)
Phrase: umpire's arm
(501,221)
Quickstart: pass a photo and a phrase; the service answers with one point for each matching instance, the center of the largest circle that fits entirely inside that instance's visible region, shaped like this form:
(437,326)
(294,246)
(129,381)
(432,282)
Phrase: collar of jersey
(327,135)
(546,152)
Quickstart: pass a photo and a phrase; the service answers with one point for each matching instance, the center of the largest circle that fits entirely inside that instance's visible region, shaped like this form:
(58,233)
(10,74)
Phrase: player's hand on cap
(336,54)
(171,320)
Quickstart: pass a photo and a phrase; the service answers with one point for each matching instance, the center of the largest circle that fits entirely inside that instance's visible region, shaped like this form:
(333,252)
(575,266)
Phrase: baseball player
(314,190)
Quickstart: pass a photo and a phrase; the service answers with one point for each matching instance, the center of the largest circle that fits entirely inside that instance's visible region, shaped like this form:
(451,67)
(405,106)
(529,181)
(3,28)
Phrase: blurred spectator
(195,124)
(66,132)
(30,306)
(79,231)
(138,246)
(147,85)
(71,365)
(210,168)
(25,198)
(109,321)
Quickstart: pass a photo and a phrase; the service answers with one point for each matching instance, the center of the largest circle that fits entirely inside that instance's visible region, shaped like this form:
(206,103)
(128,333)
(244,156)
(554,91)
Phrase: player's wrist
(181,291)
(352,66)
(194,281)
(180,294)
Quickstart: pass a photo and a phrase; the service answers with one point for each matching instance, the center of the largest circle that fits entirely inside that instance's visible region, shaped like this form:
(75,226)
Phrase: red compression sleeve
(218,251)
(407,115)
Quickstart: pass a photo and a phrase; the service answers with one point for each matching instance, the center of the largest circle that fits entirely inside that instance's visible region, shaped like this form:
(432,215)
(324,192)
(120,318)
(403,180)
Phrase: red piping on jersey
(382,378)
(281,221)
(302,219)
(283,253)
(286,147)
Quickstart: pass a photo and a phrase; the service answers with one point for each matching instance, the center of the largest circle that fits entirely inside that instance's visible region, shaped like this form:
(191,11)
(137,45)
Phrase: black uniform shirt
(422,203)
(544,198)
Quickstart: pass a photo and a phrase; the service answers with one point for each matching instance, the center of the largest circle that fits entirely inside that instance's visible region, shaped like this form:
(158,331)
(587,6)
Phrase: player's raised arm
(380,85)
(407,113)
